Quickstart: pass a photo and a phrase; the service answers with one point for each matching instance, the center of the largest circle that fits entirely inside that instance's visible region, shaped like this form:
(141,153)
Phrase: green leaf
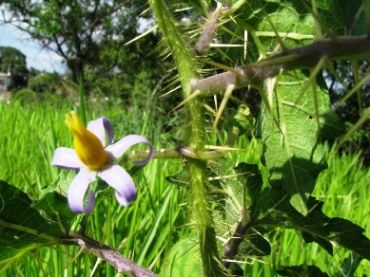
(338,230)
(331,126)
(290,17)
(349,235)
(55,209)
(301,271)
(22,228)
(344,15)
(183,260)
(293,148)
(322,242)
(315,226)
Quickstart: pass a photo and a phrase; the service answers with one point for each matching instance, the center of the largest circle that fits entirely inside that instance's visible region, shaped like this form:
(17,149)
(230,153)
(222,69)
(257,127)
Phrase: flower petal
(66,158)
(77,190)
(116,177)
(121,199)
(100,127)
(120,147)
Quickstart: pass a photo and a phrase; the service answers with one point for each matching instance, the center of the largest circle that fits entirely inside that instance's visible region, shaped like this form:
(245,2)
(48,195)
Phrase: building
(5,80)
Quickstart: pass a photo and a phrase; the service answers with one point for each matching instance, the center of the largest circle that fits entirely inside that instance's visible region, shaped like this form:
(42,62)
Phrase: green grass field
(161,215)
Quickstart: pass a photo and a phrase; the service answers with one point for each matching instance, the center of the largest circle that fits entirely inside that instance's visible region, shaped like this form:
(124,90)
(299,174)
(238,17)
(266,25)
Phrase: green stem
(186,67)
(82,101)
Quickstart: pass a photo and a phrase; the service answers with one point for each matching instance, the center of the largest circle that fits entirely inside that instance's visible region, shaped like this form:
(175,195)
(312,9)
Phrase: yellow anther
(87,146)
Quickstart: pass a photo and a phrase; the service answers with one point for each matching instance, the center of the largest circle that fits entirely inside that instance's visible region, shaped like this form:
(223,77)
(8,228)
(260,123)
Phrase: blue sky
(37,57)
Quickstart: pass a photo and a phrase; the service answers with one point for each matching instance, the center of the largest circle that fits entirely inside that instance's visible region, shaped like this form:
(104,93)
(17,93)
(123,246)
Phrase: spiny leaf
(290,130)
(293,150)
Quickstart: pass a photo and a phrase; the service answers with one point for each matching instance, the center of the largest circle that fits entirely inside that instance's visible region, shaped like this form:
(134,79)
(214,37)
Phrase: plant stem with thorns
(186,67)
(301,57)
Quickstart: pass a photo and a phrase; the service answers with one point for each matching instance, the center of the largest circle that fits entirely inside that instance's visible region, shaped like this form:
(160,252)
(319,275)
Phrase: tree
(75,30)
(14,61)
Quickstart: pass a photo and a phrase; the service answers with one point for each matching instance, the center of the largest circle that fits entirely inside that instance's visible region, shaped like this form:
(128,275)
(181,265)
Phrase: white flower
(93,158)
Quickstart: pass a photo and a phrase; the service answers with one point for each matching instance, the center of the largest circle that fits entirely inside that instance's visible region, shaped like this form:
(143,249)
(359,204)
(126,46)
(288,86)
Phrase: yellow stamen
(87,146)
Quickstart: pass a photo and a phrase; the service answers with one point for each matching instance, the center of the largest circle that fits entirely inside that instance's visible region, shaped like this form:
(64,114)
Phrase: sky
(37,57)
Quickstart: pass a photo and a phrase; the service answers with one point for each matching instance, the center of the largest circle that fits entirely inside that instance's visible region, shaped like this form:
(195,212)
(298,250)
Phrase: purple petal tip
(80,207)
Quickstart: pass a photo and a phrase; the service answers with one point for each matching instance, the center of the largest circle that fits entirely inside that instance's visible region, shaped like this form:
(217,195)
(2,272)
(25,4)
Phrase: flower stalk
(187,70)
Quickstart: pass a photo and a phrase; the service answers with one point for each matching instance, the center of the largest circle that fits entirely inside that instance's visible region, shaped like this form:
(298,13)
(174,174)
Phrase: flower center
(87,146)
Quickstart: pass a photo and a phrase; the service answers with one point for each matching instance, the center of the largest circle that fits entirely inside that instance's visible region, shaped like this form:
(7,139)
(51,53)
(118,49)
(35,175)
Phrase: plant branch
(232,245)
(111,256)
(301,57)
(179,153)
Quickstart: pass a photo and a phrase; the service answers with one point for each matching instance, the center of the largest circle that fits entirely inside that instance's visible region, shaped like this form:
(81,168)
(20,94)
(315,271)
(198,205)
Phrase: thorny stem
(180,153)
(111,256)
(186,67)
(301,57)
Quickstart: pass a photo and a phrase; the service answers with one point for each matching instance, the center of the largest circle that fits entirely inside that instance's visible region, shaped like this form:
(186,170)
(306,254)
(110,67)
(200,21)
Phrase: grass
(146,230)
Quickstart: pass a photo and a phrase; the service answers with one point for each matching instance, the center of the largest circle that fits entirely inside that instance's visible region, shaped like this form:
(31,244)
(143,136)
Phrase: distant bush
(45,82)
(26,96)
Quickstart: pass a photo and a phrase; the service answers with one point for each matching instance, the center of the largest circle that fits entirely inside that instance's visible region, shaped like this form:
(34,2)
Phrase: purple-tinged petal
(121,199)
(100,127)
(66,158)
(116,177)
(118,148)
(77,191)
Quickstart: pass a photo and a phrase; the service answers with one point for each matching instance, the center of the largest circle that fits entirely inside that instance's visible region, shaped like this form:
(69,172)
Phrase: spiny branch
(113,257)
(183,151)
(301,57)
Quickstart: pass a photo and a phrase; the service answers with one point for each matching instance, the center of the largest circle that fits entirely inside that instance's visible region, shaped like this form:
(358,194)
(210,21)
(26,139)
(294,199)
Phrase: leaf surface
(183,260)
(22,227)
(315,226)
(290,130)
